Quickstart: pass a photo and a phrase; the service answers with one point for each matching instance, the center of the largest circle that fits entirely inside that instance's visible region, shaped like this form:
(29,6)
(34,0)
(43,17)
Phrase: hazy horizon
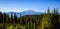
(24,5)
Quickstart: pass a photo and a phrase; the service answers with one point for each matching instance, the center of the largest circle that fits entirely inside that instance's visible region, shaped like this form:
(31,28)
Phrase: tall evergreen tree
(48,11)
(15,18)
(1,17)
(4,20)
(11,18)
(59,18)
(46,22)
(4,17)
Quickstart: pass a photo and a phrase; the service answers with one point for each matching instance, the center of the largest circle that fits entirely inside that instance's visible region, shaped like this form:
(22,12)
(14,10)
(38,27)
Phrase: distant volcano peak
(29,11)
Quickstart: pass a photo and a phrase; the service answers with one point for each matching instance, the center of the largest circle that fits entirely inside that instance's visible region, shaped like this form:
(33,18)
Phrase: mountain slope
(29,12)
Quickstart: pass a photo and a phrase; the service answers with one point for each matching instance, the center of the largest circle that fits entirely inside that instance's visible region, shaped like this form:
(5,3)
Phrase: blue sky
(24,5)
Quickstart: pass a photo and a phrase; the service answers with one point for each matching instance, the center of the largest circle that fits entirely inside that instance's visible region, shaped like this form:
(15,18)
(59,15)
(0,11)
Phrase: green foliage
(49,20)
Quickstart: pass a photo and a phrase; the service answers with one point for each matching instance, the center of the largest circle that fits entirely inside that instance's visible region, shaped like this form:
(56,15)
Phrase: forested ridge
(48,20)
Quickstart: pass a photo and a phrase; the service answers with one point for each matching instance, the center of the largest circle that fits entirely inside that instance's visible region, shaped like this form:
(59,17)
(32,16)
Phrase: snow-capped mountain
(29,12)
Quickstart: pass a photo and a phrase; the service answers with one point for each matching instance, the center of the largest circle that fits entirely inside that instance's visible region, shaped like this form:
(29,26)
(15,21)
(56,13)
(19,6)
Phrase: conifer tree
(59,18)
(4,20)
(1,17)
(48,11)
(46,22)
(4,17)
(8,18)
(15,18)
(11,18)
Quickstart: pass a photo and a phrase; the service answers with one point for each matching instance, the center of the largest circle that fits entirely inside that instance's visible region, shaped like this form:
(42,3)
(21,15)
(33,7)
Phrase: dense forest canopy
(48,20)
